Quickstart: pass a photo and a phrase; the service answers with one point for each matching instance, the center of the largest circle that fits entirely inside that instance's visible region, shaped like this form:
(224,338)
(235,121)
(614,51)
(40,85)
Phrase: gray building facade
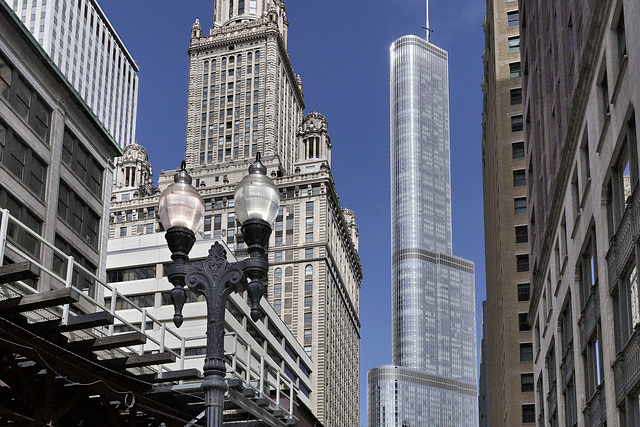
(83,44)
(434,378)
(581,97)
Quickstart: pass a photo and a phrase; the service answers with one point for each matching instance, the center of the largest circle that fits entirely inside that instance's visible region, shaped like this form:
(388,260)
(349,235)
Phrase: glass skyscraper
(433,380)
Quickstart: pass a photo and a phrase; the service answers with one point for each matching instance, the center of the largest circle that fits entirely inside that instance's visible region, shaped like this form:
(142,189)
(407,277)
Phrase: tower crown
(230,12)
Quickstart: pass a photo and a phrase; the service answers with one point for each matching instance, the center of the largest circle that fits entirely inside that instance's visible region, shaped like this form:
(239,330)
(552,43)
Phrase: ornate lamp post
(181,211)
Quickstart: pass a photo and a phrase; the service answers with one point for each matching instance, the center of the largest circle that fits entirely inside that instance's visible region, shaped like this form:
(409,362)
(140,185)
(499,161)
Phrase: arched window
(206,65)
(249,56)
(257,54)
(239,59)
(288,272)
(277,273)
(308,271)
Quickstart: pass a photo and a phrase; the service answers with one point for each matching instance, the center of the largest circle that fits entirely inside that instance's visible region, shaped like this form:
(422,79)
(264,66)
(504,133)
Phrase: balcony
(626,368)
(624,240)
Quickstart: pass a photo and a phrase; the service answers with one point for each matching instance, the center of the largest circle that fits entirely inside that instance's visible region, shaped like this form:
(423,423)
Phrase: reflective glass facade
(408,398)
(434,378)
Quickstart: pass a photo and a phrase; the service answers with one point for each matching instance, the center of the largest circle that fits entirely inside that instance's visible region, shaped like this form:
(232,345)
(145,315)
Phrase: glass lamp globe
(256,196)
(180,205)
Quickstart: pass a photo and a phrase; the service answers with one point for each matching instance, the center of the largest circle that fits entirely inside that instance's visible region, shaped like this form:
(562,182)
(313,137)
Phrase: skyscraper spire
(427,8)
(426,26)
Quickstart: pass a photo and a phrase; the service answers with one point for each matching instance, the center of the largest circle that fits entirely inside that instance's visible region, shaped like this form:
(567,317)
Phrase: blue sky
(341,50)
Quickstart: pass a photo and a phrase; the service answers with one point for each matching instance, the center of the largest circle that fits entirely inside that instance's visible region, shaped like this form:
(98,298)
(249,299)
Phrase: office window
(523,324)
(308,285)
(277,304)
(604,94)
(513,18)
(515,70)
(624,176)
(520,205)
(526,382)
(517,150)
(514,44)
(78,215)
(529,413)
(308,302)
(24,100)
(524,291)
(522,234)
(6,72)
(307,334)
(149,229)
(516,123)
(133,273)
(123,231)
(519,178)
(621,38)
(83,165)
(141,301)
(587,270)
(516,96)
(80,279)
(308,318)
(22,161)
(526,352)
(308,253)
(16,234)
(522,262)
(593,363)
(308,238)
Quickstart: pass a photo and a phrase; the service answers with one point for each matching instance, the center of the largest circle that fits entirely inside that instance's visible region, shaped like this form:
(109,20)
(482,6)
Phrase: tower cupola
(314,143)
(133,171)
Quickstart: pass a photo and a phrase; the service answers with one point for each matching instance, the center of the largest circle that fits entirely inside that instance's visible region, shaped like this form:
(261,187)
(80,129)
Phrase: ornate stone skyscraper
(243,98)
(433,380)
(243,94)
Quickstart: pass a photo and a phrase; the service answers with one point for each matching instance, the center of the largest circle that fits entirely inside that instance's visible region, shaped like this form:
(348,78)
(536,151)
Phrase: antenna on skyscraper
(426,27)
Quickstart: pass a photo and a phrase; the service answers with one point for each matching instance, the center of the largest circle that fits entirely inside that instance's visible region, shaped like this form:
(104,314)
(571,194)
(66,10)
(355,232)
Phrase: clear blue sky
(341,50)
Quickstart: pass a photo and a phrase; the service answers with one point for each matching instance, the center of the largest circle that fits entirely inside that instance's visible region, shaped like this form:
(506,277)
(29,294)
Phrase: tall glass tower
(433,378)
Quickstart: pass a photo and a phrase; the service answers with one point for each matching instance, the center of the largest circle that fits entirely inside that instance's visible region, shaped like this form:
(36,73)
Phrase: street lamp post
(181,211)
